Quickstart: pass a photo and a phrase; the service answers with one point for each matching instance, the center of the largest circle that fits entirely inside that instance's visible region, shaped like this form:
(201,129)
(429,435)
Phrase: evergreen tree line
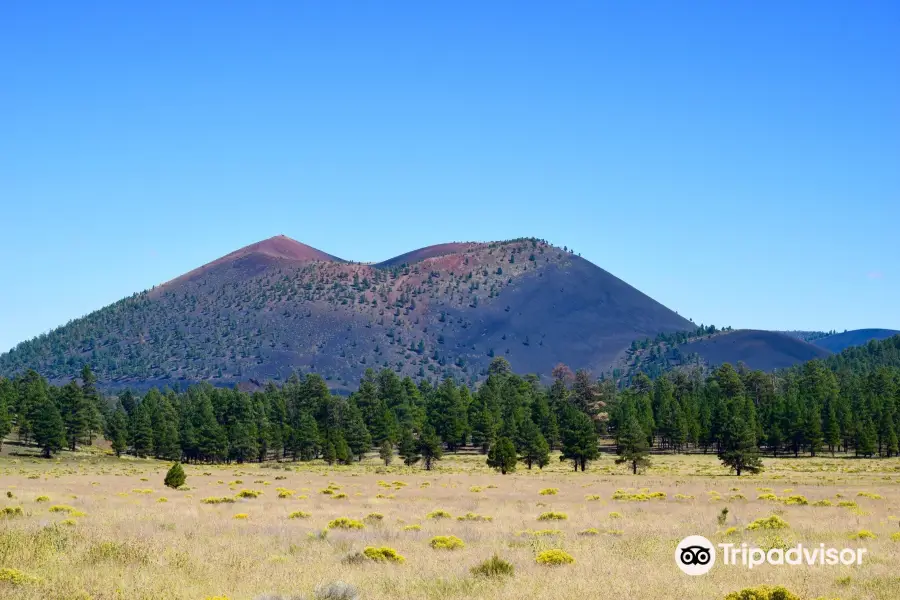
(841,404)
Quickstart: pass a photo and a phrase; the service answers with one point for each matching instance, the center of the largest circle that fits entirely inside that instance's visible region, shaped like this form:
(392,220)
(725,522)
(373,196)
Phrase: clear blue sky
(737,161)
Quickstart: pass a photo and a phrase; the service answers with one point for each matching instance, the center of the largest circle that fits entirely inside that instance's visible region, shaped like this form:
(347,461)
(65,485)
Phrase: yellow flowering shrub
(554,558)
(446,542)
(383,554)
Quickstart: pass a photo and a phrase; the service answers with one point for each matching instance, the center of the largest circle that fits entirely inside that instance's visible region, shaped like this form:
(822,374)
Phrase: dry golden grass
(120,543)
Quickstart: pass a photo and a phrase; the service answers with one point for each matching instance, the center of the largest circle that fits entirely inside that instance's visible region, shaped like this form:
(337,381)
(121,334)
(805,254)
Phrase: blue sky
(736,161)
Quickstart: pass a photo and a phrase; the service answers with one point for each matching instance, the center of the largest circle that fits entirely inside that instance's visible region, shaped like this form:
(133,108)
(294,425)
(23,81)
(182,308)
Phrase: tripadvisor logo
(696,555)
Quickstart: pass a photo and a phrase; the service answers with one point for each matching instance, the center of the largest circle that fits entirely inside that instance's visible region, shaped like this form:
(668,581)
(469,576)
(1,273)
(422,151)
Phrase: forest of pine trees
(849,403)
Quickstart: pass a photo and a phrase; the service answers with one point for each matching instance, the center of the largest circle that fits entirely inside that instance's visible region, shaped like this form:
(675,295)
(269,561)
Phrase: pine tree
(386,452)
(329,455)
(813,431)
(409,448)
(74,412)
(164,423)
(175,478)
(832,428)
(739,452)
(7,393)
(632,445)
(482,424)
(536,450)
(866,443)
(308,438)
(47,426)
(96,408)
(579,438)
(502,456)
(430,447)
(342,451)
(886,432)
(355,431)
(118,430)
(212,443)
(142,428)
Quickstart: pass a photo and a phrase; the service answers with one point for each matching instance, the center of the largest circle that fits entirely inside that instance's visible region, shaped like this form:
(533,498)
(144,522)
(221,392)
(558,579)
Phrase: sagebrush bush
(638,496)
(354,558)
(249,494)
(42,499)
(446,542)
(554,557)
(438,514)
(16,577)
(863,534)
(824,502)
(773,522)
(763,592)
(383,554)
(12,511)
(589,532)
(540,532)
(795,500)
(592,497)
(242,516)
(73,512)
(298,514)
(345,523)
(214,500)
(412,528)
(374,517)
(871,495)
(549,491)
(337,590)
(553,516)
(493,567)
(470,516)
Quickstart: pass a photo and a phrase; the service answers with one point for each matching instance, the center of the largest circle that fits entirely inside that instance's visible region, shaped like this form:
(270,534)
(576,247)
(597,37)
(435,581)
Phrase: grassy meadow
(96,527)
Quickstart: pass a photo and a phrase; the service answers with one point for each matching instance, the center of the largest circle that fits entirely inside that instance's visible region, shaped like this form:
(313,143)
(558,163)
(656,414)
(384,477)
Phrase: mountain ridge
(269,308)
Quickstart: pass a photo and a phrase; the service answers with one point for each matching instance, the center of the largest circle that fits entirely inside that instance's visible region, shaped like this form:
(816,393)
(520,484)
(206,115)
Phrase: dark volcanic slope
(766,350)
(278,306)
(858,337)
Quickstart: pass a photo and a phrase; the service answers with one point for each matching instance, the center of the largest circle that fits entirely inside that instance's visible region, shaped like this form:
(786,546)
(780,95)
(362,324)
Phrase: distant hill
(857,337)
(807,336)
(765,350)
(276,306)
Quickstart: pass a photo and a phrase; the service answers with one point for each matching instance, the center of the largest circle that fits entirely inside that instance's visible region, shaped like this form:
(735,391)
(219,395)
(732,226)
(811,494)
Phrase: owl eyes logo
(695,555)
